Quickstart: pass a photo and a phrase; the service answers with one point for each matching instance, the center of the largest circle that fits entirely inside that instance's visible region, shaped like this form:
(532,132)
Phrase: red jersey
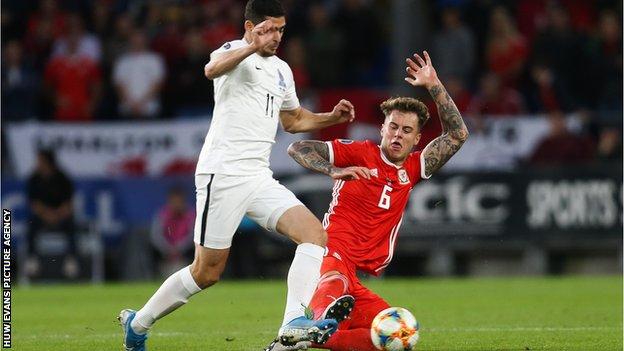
(364,217)
(72,78)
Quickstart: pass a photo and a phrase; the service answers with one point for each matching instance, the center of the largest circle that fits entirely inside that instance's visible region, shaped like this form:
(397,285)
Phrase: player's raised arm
(454,131)
(221,63)
(301,120)
(314,155)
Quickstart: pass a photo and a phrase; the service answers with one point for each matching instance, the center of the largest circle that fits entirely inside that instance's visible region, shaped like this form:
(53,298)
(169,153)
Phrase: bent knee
(316,236)
(205,276)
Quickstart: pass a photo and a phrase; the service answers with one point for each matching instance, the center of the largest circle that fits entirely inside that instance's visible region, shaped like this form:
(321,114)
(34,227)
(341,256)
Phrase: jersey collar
(383,157)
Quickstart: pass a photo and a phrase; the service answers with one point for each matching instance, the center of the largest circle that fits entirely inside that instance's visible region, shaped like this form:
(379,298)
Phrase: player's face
(399,134)
(279,24)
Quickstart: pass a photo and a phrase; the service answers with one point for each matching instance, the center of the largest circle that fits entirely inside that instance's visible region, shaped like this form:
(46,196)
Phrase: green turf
(579,313)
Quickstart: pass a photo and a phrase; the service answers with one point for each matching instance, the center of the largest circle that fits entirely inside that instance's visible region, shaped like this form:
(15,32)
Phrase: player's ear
(249,26)
(417,139)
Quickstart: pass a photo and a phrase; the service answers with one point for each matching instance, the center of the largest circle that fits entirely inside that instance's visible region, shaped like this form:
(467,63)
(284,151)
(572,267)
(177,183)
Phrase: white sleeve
(330,146)
(291,101)
(423,175)
(228,46)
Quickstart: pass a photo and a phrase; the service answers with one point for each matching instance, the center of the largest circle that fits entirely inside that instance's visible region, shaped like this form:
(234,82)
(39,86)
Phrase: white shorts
(223,200)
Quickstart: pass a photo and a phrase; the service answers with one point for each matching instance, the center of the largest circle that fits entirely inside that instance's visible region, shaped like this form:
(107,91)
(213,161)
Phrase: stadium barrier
(527,212)
(158,148)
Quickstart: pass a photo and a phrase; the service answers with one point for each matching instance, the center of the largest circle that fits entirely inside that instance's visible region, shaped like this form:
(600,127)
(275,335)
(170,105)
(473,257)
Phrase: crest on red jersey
(403,178)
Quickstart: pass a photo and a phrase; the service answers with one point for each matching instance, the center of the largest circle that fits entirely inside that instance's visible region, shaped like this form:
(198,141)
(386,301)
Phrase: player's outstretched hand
(350,173)
(421,72)
(261,34)
(344,111)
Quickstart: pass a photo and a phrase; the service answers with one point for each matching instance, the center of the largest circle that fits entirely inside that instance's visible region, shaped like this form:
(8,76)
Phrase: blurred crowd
(536,56)
(540,57)
(109,59)
(82,60)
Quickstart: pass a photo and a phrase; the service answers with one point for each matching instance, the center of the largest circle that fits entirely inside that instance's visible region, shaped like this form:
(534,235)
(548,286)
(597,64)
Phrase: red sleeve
(345,153)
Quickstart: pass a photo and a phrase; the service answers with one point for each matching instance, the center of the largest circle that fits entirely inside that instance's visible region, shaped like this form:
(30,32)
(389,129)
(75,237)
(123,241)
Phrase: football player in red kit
(372,187)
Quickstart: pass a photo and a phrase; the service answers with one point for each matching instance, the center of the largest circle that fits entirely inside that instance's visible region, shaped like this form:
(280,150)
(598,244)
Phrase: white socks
(302,279)
(173,293)
(180,286)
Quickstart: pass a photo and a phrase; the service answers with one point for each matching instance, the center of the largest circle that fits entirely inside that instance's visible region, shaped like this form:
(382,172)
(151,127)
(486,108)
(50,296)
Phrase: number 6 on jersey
(384,201)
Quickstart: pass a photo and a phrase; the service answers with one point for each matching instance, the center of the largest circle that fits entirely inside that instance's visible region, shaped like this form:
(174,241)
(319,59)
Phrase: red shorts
(367,303)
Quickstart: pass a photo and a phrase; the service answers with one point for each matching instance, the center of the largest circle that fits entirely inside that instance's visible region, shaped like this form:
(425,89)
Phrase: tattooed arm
(454,131)
(314,155)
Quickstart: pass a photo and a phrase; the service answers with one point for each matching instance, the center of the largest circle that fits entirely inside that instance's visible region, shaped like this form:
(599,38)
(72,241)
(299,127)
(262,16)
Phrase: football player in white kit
(254,90)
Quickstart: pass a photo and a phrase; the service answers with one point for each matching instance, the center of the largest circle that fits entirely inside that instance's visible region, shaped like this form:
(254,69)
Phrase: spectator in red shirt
(457,89)
(170,44)
(506,49)
(561,146)
(545,93)
(494,99)
(74,81)
(48,12)
(531,17)
(220,27)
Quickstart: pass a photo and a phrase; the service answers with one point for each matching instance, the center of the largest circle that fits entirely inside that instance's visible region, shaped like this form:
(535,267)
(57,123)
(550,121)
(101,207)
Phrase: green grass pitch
(570,313)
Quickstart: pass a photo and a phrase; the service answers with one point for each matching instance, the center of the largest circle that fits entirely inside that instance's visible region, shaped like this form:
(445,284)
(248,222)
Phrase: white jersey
(248,100)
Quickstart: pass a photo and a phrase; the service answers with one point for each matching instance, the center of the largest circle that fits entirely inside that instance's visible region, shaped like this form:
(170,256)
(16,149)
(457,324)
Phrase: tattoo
(311,154)
(454,131)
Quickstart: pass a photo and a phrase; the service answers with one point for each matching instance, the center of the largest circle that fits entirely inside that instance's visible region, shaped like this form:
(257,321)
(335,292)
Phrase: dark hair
(406,104)
(256,11)
(49,156)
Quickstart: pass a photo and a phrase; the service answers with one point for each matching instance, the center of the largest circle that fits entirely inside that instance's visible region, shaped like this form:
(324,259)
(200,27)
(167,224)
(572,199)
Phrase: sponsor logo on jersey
(374,172)
(226,46)
(345,141)
(281,83)
(403,178)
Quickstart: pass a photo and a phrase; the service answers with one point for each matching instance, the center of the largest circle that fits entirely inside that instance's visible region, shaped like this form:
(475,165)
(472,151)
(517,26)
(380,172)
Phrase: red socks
(349,340)
(330,287)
